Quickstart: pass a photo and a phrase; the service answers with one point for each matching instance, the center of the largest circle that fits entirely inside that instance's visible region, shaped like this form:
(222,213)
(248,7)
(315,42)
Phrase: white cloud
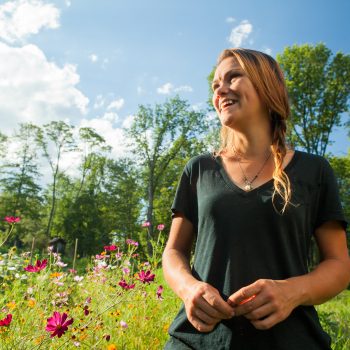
(116,104)
(22,18)
(68,3)
(230,19)
(184,88)
(268,50)
(93,58)
(128,121)
(114,136)
(99,102)
(35,89)
(168,88)
(240,33)
(165,89)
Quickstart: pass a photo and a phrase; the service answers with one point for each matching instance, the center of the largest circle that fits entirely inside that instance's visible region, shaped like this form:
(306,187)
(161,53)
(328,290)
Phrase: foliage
(319,88)
(158,135)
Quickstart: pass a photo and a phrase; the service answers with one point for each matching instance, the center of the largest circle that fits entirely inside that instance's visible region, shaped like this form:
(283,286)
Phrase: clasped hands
(264,303)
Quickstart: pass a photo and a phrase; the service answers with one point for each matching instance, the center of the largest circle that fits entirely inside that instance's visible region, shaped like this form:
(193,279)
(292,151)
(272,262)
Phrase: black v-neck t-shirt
(241,238)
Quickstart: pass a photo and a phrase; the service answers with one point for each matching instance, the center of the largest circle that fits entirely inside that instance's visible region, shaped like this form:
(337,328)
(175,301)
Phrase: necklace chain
(248,184)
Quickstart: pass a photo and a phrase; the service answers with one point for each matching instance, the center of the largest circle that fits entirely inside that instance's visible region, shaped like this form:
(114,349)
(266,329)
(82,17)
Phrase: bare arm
(276,299)
(203,303)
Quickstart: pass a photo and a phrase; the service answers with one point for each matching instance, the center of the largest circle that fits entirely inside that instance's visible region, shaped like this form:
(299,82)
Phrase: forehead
(226,65)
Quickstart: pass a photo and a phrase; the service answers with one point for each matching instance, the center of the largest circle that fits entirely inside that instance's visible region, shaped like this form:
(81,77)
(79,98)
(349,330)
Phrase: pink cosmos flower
(73,271)
(110,247)
(124,285)
(160,227)
(146,277)
(123,324)
(12,219)
(159,292)
(39,265)
(132,242)
(58,324)
(6,321)
(125,270)
(146,224)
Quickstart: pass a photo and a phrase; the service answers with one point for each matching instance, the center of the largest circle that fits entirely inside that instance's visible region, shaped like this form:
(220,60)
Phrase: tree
(157,136)
(20,188)
(319,89)
(55,140)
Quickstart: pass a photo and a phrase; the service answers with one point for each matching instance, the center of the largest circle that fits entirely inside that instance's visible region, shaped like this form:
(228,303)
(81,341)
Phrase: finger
(200,325)
(217,307)
(267,322)
(260,313)
(244,294)
(204,317)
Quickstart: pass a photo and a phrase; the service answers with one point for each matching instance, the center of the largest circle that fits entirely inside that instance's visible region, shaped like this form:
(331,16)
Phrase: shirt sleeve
(185,200)
(330,208)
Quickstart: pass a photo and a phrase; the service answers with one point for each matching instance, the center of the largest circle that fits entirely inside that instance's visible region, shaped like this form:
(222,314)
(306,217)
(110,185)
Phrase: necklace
(248,184)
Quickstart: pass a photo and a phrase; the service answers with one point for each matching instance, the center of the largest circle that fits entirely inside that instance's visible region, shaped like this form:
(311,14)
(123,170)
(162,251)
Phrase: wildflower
(107,337)
(159,292)
(6,321)
(146,224)
(72,271)
(39,265)
(11,305)
(110,247)
(61,264)
(125,270)
(88,300)
(56,274)
(124,285)
(146,277)
(58,324)
(111,347)
(76,343)
(86,310)
(123,324)
(78,278)
(160,227)
(132,242)
(31,302)
(12,219)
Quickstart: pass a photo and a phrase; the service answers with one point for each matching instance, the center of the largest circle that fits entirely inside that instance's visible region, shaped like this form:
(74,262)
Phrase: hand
(205,307)
(271,302)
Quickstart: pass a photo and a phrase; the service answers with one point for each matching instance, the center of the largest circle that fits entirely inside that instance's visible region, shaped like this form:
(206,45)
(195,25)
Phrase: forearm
(328,279)
(177,271)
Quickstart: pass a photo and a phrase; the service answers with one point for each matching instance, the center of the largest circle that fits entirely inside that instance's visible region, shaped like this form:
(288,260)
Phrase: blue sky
(92,62)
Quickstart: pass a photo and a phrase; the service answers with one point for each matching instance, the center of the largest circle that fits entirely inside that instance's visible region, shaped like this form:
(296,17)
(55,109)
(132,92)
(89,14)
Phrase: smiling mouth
(227,103)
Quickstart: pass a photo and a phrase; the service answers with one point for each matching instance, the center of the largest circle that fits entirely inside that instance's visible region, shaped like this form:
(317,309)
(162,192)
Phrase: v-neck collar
(232,185)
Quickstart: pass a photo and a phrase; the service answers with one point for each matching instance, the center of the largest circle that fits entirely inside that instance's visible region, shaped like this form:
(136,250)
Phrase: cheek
(215,101)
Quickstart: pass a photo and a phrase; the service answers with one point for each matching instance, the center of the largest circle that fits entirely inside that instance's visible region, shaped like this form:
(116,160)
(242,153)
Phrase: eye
(234,76)
(215,86)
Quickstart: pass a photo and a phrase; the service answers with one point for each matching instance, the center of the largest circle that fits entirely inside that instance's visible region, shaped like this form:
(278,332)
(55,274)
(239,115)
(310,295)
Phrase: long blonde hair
(267,78)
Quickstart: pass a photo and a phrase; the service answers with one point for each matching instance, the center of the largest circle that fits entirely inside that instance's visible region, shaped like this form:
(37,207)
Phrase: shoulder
(202,161)
(312,165)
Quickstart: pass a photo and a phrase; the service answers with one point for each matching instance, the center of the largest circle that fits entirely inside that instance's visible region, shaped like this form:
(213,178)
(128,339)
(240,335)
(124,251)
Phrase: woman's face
(235,99)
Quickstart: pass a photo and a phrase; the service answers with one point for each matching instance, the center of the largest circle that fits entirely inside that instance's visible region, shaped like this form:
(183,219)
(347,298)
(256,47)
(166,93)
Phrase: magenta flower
(124,285)
(39,265)
(6,321)
(160,227)
(58,324)
(159,292)
(110,247)
(12,219)
(123,324)
(146,277)
(132,242)
(146,224)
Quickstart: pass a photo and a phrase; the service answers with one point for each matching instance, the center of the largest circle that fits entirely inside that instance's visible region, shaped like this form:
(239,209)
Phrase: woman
(252,208)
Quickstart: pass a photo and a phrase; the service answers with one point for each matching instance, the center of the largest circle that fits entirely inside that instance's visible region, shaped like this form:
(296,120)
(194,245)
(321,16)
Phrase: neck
(251,146)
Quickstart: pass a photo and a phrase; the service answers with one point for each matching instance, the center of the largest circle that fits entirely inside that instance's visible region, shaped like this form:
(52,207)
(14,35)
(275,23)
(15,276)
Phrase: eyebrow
(233,70)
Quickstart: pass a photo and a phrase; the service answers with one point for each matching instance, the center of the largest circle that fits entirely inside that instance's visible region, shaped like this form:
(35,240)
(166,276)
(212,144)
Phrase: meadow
(116,300)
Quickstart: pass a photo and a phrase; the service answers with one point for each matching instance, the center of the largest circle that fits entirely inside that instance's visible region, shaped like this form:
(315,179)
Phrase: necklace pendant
(248,187)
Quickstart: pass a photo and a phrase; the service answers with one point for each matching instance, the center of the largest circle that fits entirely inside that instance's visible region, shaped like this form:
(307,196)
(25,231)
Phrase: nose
(222,89)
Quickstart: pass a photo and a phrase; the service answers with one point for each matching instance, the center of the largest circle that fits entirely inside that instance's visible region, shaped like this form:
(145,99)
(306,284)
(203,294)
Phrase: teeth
(227,103)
